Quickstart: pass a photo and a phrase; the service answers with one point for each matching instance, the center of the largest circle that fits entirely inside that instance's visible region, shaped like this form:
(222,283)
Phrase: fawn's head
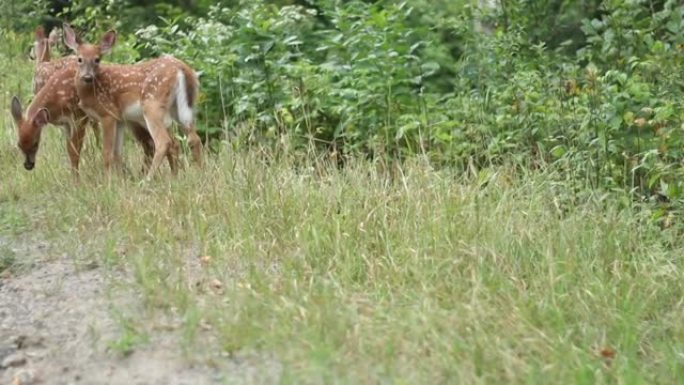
(28,131)
(89,55)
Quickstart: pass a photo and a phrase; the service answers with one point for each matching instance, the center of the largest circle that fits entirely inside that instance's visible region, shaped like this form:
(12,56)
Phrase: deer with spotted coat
(153,93)
(55,101)
(45,66)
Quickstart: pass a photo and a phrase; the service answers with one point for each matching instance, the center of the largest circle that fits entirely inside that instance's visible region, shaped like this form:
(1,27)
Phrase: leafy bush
(272,71)
(463,83)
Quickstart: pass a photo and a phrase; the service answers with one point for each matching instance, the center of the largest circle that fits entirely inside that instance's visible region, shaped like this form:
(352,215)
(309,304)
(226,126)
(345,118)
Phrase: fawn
(55,101)
(45,67)
(153,93)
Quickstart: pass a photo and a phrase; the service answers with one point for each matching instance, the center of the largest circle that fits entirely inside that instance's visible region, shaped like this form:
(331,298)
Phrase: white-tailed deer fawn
(45,67)
(153,92)
(56,102)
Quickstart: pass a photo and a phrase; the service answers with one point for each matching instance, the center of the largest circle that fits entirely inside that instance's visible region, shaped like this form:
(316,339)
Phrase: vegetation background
(415,191)
(592,86)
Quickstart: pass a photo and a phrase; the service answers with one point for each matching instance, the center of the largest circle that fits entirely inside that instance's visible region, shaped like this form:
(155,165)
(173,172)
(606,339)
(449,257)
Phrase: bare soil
(57,327)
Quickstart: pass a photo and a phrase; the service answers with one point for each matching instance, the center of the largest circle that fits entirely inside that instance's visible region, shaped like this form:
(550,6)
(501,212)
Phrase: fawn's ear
(40,32)
(107,42)
(41,117)
(40,50)
(53,37)
(15,108)
(70,39)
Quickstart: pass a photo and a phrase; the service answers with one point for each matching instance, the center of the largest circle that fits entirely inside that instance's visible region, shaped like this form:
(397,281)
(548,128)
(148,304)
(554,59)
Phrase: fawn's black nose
(87,78)
(29,165)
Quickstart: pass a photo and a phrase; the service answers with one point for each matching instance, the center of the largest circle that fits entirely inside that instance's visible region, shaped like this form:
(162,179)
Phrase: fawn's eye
(97,60)
(80,60)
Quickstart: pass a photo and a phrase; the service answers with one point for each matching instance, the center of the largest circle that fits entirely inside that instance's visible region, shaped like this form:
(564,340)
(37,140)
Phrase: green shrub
(460,82)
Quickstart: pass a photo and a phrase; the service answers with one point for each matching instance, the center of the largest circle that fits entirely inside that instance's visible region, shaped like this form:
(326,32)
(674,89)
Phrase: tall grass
(371,273)
(361,275)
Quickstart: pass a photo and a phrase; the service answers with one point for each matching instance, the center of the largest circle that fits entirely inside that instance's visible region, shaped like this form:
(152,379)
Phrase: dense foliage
(593,87)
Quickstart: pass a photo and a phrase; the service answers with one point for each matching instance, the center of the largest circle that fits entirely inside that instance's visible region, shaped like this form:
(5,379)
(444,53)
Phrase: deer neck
(45,70)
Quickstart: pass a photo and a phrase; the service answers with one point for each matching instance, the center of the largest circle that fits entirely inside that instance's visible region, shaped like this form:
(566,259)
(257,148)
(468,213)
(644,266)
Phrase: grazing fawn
(153,92)
(55,101)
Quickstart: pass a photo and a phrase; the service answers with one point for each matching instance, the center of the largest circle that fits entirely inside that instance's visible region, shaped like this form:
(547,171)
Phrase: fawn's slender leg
(194,142)
(172,155)
(154,117)
(143,137)
(108,142)
(118,144)
(75,144)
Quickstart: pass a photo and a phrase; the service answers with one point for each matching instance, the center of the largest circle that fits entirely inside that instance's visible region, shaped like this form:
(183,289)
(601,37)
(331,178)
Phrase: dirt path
(56,324)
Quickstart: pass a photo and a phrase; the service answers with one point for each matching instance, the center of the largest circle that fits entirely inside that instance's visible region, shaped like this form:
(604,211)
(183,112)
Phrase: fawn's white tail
(184,96)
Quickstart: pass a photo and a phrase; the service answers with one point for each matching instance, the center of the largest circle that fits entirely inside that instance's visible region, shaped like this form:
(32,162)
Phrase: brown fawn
(45,67)
(55,101)
(153,93)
